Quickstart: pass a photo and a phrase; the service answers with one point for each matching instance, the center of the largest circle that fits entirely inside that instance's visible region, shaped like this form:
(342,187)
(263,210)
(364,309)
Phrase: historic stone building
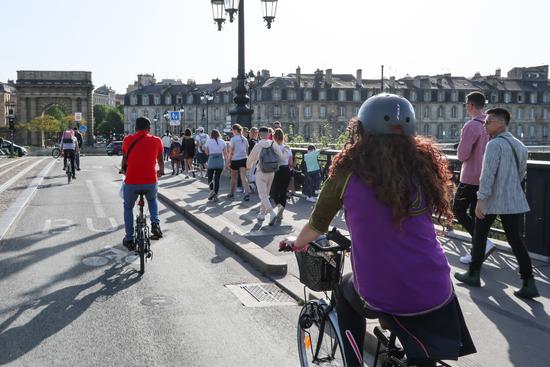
(105,95)
(7,102)
(322,103)
(39,90)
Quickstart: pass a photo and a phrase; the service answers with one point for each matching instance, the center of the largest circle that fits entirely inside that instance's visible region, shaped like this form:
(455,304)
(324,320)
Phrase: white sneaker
(239,189)
(272,218)
(311,199)
(261,217)
(489,249)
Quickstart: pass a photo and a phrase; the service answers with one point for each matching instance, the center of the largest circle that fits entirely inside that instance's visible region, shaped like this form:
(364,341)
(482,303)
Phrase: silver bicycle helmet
(387,114)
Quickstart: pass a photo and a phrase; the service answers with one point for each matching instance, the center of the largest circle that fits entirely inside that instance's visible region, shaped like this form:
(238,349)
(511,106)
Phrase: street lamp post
(241,113)
(155,120)
(207,97)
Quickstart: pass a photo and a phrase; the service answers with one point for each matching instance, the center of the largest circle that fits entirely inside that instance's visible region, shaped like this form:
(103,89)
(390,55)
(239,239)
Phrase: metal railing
(535,226)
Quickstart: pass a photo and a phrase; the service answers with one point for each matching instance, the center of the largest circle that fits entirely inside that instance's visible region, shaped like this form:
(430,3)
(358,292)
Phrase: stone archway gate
(37,90)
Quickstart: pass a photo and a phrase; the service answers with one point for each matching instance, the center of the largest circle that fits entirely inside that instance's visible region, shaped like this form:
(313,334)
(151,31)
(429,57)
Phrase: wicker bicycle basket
(316,272)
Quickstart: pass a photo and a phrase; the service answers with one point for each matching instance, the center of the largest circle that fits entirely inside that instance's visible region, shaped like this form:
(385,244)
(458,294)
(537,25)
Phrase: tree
(113,122)
(43,124)
(100,112)
(56,112)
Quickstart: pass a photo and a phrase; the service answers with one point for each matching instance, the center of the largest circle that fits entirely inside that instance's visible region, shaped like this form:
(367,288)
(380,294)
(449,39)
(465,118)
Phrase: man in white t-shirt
(166,143)
(200,143)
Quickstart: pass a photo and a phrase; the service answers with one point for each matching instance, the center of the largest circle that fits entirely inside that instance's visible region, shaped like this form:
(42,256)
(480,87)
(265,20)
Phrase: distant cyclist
(69,148)
(389,182)
(141,176)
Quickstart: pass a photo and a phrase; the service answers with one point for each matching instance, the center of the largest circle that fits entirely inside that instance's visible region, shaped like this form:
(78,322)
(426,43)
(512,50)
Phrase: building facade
(322,103)
(105,95)
(7,102)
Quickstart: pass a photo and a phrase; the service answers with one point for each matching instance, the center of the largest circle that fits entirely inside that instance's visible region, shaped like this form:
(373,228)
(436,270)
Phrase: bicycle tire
(56,153)
(331,352)
(68,175)
(141,250)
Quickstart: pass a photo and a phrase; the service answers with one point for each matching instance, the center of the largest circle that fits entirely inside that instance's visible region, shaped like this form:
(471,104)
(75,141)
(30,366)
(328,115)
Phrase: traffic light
(11,119)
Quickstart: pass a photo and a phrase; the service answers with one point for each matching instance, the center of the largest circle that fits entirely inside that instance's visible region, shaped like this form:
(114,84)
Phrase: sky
(118,39)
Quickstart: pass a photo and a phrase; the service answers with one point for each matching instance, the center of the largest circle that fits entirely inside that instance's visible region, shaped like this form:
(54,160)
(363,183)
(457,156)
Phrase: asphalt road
(70,295)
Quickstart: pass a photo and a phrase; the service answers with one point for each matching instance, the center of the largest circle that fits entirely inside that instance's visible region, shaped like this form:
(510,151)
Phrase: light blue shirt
(310,158)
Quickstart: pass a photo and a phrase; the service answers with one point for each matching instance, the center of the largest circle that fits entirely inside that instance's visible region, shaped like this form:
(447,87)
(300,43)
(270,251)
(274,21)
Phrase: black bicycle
(319,340)
(69,172)
(142,235)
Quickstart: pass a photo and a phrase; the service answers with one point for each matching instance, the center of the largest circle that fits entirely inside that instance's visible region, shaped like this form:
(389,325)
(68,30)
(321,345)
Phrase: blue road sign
(175,115)
(83,128)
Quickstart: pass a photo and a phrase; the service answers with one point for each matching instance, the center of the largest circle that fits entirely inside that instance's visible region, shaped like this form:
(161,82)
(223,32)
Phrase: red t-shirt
(142,162)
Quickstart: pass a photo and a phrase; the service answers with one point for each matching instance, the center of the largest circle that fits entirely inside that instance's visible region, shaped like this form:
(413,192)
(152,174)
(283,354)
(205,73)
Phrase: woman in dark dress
(188,148)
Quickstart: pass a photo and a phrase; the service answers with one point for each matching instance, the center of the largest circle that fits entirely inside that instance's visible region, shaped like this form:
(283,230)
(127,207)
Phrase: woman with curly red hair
(389,183)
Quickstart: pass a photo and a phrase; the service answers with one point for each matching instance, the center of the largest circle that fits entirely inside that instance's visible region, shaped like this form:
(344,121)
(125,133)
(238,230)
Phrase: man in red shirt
(141,151)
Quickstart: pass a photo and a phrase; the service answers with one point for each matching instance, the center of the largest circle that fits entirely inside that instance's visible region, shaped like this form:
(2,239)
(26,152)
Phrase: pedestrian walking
(500,193)
(79,139)
(473,140)
(188,149)
(216,151)
(166,143)
(266,155)
(252,139)
(238,148)
(200,143)
(281,178)
(175,155)
(313,175)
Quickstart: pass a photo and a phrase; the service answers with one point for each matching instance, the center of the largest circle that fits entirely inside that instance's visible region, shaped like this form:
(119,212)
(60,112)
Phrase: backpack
(67,137)
(202,141)
(269,160)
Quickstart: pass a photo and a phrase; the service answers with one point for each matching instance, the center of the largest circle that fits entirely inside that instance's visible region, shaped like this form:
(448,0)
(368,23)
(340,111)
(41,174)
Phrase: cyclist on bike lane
(69,149)
(141,176)
(389,182)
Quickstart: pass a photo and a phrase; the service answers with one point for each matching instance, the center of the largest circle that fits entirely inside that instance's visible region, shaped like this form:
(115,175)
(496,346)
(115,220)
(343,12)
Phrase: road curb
(262,260)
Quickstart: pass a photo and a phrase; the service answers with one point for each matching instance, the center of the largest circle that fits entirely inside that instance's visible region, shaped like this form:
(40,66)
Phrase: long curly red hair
(392,164)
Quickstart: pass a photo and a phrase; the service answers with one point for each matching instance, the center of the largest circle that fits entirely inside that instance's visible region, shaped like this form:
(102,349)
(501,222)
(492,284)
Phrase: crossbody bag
(124,164)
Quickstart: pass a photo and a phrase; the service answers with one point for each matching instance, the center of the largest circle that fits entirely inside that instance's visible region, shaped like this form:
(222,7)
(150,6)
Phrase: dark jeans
(214,179)
(313,180)
(511,223)
(166,153)
(464,206)
(131,194)
(352,313)
(77,160)
(69,153)
(279,187)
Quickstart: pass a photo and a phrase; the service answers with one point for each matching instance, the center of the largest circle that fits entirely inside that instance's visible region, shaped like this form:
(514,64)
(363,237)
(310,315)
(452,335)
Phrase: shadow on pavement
(59,309)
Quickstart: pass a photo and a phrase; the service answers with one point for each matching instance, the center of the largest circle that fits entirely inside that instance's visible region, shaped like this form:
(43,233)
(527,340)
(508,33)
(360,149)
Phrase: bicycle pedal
(150,255)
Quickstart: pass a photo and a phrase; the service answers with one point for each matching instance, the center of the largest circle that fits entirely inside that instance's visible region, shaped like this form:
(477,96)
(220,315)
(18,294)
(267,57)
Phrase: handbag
(124,164)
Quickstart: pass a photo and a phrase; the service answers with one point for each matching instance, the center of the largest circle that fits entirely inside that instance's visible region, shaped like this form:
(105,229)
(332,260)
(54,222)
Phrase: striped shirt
(500,183)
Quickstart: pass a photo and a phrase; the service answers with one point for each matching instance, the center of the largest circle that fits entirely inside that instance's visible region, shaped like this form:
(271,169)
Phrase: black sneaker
(155,230)
(74,177)
(129,244)
(78,169)
(246,197)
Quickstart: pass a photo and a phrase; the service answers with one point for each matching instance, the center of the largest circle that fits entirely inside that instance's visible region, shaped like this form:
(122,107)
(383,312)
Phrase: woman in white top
(238,153)
(215,149)
(282,176)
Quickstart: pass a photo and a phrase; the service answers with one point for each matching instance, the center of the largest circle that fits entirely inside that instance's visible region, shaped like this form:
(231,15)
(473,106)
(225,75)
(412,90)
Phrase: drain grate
(261,295)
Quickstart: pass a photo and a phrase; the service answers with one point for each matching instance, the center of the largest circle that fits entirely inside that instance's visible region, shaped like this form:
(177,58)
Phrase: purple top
(473,140)
(397,271)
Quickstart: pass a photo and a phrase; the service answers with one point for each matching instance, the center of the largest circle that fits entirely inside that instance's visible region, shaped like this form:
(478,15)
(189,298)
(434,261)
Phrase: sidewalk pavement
(507,331)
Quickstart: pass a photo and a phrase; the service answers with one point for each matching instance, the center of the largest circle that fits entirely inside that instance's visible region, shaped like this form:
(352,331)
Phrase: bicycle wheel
(319,341)
(56,152)
(141,250)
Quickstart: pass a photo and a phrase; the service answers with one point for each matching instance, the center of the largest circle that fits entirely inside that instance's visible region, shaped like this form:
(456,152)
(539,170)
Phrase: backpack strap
(515,154)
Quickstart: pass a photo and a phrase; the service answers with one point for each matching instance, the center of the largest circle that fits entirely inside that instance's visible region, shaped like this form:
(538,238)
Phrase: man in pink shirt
(473,139)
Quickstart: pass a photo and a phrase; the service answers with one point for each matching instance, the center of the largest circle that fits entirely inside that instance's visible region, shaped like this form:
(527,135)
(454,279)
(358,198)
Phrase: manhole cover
(157,301)
(95,261)
(261,295)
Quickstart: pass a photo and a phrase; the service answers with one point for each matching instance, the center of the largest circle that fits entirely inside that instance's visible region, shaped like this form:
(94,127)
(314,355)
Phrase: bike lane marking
(11,214)
(12,180)
(100,213)
(12,167)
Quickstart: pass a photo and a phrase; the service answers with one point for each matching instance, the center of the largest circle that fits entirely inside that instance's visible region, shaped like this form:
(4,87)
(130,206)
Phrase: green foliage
(342,139)
(46,124)
(56,112)
(100,112)
(113,121)
(297,139)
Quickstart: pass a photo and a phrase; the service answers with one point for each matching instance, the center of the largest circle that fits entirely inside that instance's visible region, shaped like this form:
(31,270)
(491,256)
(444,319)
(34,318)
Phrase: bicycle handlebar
(340,242)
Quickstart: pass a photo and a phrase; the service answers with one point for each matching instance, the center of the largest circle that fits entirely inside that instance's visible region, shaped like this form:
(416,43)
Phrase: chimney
(498,73)
(328,77)
(216,83)
(298,77)
(359,77)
